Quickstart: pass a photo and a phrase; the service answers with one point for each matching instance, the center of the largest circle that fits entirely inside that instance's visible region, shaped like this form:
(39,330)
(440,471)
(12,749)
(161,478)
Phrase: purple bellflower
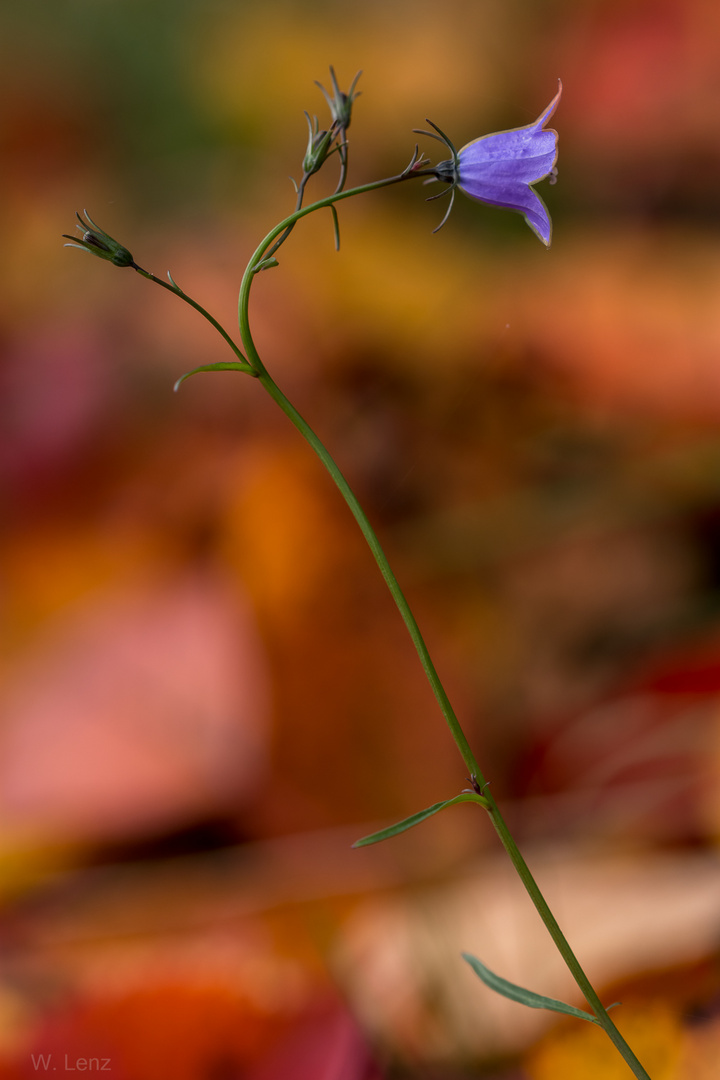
(500,169)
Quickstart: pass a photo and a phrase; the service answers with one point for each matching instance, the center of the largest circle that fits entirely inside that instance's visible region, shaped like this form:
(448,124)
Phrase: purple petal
(547,113)
(524,156)
(525,200)
(498,169)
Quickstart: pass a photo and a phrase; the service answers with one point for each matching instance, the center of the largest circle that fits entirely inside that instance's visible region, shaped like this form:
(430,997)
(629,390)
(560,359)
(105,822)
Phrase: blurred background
(206,694)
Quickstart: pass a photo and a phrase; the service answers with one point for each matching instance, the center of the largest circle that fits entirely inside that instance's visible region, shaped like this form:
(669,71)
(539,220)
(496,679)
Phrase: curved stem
(298,204)
(458,735)
(499,823)
(571,961)
(384,566)
(175,289)
(252,364)
(342,151)
(493,811)
(261,252)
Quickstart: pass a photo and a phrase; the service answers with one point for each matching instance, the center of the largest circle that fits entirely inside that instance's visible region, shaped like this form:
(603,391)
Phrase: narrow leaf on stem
(415,819)
(521,995)
(230,365)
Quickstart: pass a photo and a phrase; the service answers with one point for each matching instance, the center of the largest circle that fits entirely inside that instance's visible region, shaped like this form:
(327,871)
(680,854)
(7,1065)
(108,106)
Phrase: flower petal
(524,155)
(525,200)
(545,116)
(498,169)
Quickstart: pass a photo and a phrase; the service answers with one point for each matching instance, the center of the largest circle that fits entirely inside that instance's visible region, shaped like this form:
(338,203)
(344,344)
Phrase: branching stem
(251,363)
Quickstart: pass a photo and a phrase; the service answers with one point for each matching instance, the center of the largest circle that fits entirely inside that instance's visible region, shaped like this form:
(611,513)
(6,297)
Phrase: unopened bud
(318,147)
(97,242)
(340,104)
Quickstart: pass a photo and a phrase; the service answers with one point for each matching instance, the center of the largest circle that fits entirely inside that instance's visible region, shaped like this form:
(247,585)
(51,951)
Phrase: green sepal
(230,365)
(415,819)
(97,242)
(522,996)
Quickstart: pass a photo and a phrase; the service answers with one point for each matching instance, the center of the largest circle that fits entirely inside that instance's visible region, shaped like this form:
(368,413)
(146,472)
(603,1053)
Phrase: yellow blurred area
(652,1030)
(206,694)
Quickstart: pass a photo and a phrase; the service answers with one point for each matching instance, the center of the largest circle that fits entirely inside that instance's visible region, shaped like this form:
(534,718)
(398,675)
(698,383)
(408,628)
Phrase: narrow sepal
(97,242)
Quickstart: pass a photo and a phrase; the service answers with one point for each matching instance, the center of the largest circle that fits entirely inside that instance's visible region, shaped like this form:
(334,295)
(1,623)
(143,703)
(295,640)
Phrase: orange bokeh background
(205,692)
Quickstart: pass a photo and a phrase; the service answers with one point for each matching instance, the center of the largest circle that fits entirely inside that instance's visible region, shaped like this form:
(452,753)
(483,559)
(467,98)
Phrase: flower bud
(97,242)
(319,143)
(340,104)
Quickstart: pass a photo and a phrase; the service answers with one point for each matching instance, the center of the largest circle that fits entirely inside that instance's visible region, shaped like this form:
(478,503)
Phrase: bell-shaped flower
(500,169)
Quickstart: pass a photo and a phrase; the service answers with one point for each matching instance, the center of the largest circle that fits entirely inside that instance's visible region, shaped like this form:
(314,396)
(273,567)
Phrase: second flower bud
(319,146)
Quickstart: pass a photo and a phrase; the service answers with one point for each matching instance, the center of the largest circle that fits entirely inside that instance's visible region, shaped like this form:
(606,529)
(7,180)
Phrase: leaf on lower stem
(415,819)
(521,995)
(230,365)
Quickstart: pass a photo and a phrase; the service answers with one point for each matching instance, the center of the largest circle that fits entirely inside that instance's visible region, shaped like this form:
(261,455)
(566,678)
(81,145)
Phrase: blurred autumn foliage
(205,692)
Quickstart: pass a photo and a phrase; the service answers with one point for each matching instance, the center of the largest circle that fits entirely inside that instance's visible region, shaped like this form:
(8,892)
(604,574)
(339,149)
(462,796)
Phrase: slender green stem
(385,569)
(563,946)
(448,712)
(252,364)
(175,289)
(342,150)
(441,696)
(261,252)
(458,735)
(298,204)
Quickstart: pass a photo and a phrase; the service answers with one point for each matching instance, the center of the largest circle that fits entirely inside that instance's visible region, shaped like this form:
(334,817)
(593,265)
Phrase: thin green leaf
(415,819)
(230,365)
(336,226)
(522,996)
